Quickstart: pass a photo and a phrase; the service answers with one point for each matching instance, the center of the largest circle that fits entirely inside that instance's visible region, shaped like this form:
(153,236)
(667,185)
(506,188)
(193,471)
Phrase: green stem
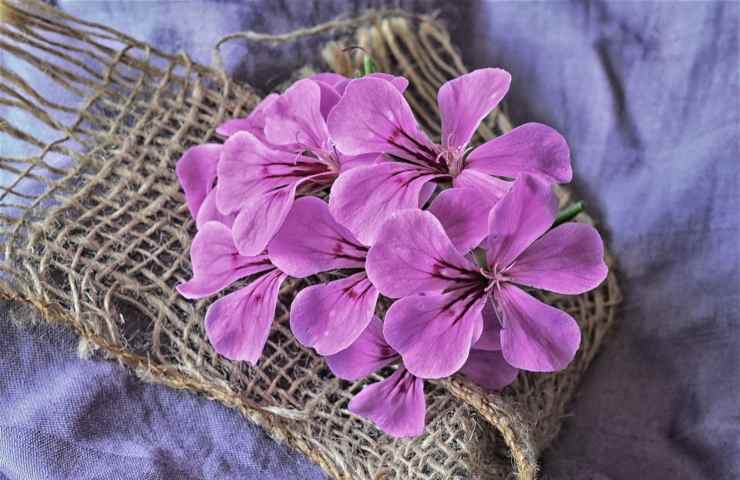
(368,65)
(568,213)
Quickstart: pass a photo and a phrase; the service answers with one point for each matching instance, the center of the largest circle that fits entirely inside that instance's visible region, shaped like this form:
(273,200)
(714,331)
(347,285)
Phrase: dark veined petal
(373,117)
(216,262)
(249,168)
(363,198)
(413,255)
(260,183)
(368,354)
(329,317)
(311,241)
(396,404)
(435,332)
(238,324)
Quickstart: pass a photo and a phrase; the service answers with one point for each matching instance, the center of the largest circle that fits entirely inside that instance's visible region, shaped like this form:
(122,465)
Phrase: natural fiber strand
(94,234)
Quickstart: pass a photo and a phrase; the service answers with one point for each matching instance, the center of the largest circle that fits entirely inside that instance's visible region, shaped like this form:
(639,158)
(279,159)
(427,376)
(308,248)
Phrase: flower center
(496,276)
(450,159)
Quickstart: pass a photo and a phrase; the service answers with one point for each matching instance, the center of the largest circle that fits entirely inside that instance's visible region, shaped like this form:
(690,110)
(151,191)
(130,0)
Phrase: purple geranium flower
(238,324)
(332,87)
(197,168)
(329,316)
(397,404)
(373,117)
(281,151)
(444,293)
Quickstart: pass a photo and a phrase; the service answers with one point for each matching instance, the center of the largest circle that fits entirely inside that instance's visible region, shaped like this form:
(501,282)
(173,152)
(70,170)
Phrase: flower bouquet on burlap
(371,264)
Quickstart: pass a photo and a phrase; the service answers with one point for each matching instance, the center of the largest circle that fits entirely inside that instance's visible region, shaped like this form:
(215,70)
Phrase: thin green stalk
(568,213)
(368,65)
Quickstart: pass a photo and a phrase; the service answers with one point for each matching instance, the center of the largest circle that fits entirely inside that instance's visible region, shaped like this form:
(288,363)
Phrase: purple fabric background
(647,95)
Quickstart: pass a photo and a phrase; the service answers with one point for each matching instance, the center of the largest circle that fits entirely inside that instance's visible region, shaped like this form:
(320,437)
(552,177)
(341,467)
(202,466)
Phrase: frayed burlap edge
(85,235)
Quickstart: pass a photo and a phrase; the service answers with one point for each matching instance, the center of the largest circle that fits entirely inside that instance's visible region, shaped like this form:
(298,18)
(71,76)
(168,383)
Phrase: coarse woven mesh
(95,235)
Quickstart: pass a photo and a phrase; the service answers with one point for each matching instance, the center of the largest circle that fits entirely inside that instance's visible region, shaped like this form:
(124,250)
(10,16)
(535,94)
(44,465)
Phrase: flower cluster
(452,236)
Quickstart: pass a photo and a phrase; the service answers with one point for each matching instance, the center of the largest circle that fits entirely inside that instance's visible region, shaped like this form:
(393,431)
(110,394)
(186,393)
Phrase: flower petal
(260,182)
(330,78)
(253,123)
(196,171)
(413,255)
(295,119)
(426,193)
(463,212)
(536,336)
(434,333)
(518,219)
(489,370)
(568,259)
(368,354)
(347,162)
(258,221)
(329,98)
(364,197)
(311,241)
(208,212)
(466,100)
(373,117)
(532,148)
(399,82)
(396,404)
(490,338)
(249,168)
(329,317)
(239,323)
(485,184)
(216,263)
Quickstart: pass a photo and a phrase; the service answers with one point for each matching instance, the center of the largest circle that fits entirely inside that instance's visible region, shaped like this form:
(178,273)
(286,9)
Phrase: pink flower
(328,317)
(197,168)
(238,324)
(372,117)
(282,150)
(397,404)
(444,293)
(253,123)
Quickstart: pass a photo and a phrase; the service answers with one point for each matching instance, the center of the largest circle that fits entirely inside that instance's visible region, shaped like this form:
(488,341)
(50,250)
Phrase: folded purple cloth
(66,418)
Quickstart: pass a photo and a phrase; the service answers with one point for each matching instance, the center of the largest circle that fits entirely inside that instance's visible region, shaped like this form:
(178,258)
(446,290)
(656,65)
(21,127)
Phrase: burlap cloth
(95,235)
